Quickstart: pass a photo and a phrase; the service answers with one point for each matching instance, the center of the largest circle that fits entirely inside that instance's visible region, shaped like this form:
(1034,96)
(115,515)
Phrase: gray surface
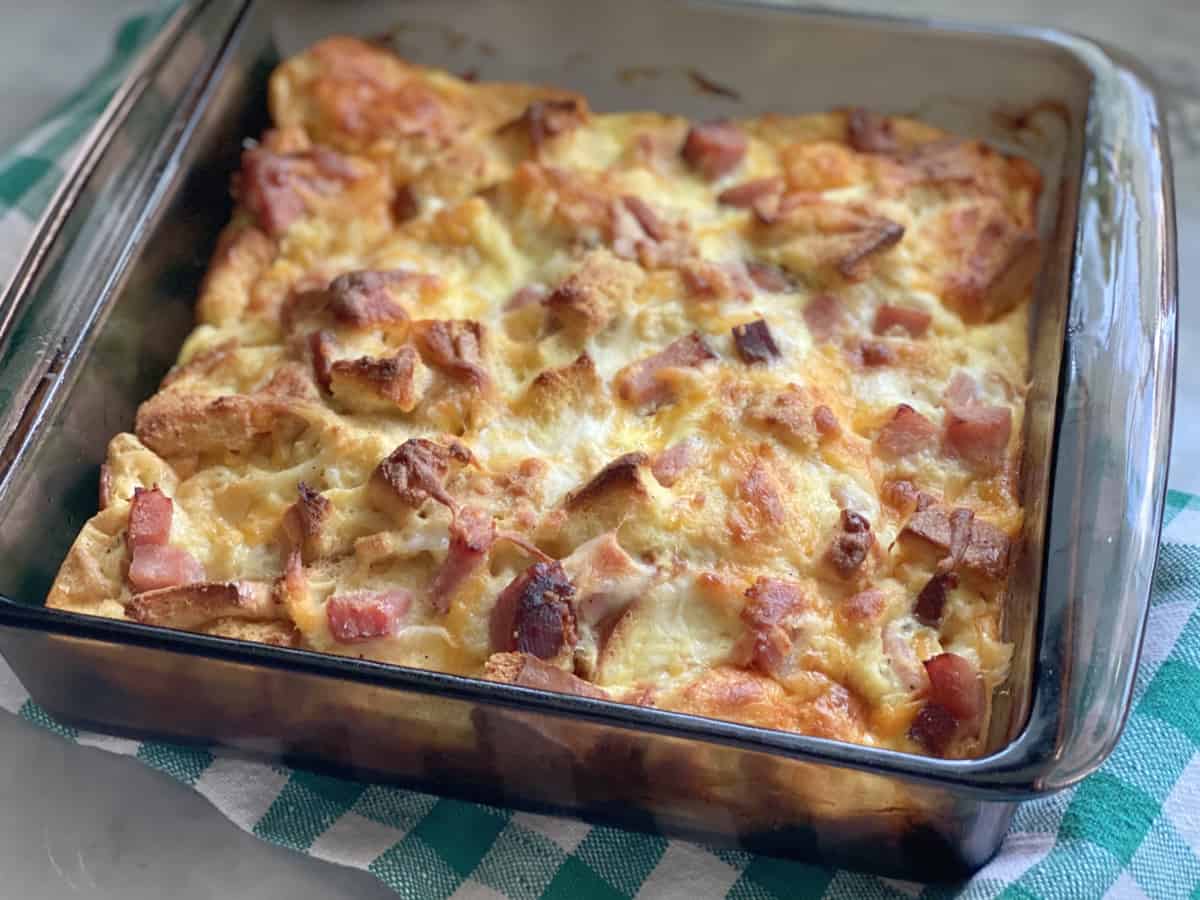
(76,821)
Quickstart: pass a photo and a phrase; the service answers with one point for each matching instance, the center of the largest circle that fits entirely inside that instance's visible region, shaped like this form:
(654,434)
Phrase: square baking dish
(103,298)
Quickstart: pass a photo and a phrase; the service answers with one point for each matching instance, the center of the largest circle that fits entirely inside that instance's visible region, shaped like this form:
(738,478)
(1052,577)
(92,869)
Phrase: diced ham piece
(754,342)
(767,277)
(770,614)
(906,432)
(961,391)
(979,434)
(870,132)
(932,599)
(274,186)
(545,119)
(825,421)
(363,615)
(640,384)
(881,234)
(150,514)
(875,353)
(406,205)
(851,545)
(668,465)
(986,551)
(748,193)
(267,188)
(533,614)
(824,316)
(472,534)
(933,728)
(156,566)
(714,148)
(913,322)
(646,217)
(956,685)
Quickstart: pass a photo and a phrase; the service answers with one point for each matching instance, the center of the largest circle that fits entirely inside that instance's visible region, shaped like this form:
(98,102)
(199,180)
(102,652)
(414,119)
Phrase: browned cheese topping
(723,417)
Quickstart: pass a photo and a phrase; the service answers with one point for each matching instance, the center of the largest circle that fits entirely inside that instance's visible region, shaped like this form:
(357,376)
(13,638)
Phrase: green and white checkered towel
(1130,830)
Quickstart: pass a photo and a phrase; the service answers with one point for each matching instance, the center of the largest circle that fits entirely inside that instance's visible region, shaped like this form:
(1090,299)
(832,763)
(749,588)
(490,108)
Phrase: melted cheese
(498,209)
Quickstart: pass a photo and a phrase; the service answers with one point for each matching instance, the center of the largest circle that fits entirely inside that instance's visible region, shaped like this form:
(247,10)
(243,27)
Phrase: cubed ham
(870,132)
(931,601)
(266,186)
(880,234)
(934,728)
(748,193)
(987,548)
(275,187)
(472,534)
(754,342)
(906,432)
(824,316)
(979,434)
(771,615)
(714,148)
(913,322)
(956,685)
(671,463)
(156,566)
(364,615)
(851,544)
(650,221)
(546,119)
(640,384)
(769,278)
(962,390)
(534,613)
(150,513)
(405,205)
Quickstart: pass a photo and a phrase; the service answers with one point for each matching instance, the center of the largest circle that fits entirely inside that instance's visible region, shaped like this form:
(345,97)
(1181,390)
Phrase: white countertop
(75,821)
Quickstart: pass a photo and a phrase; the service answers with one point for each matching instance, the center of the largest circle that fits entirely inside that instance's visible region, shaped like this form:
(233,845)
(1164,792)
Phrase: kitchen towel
(1131,829)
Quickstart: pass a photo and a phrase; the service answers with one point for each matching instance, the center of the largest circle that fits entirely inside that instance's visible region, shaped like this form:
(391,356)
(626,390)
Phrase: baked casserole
(719,417)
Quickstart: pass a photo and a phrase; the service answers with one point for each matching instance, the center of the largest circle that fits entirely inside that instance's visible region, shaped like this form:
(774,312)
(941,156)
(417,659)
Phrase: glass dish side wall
(483,752)
(764,788)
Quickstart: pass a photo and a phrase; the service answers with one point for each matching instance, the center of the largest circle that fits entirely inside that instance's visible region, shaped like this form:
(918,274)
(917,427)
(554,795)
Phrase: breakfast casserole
(719,417)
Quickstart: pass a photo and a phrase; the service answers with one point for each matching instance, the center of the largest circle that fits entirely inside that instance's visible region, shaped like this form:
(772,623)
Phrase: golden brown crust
(719,417)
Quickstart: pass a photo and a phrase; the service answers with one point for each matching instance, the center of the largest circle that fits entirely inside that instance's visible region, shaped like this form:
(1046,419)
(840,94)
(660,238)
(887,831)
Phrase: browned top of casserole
(718,417)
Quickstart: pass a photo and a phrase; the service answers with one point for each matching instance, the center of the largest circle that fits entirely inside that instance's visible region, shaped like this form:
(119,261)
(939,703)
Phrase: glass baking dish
(103,299)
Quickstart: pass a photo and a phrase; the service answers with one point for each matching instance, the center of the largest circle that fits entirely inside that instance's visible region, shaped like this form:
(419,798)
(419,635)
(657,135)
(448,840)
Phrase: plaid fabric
(1130,830)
